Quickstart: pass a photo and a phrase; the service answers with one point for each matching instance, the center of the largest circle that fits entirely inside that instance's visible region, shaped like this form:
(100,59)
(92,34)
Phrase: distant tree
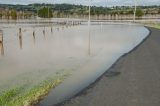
(27,15)
(1,14)
(121,12)
(159,11)
(69,10)
(139,13)
(130,12)
(58,14)
(45,13)
(98,12)
(13,14)
(92,11)
(7,14)
(21,15)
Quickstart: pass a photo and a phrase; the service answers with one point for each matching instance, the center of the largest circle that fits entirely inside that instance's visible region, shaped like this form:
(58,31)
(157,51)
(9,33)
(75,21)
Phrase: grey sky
(85,2)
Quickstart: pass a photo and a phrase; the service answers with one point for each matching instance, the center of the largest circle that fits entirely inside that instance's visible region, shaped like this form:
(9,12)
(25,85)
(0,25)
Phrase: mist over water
(42,51)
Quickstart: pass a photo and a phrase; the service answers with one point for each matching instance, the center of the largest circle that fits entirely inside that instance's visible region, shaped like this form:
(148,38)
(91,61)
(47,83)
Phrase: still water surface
(43,51)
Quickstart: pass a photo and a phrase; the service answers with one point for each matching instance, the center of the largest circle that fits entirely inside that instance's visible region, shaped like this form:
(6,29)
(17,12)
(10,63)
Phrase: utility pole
(89,26)
(135,9)
(89,12)
(48,11)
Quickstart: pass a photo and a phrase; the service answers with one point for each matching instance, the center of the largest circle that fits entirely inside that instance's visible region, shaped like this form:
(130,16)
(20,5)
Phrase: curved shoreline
(106,73)
(75,84)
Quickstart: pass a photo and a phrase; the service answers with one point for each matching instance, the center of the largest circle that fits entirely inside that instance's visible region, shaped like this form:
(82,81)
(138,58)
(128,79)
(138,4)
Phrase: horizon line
(76,4)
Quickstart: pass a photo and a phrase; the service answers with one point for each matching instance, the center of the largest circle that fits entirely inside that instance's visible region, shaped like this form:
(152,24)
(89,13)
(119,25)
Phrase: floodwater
(33,53)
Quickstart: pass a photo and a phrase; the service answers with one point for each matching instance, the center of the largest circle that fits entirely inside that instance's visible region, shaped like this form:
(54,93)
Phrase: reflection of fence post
(34,37)
(58,29)
(20,30)
(1,43)
(1,36)
(20,38)
(62,27)
(51,29)
(44,33)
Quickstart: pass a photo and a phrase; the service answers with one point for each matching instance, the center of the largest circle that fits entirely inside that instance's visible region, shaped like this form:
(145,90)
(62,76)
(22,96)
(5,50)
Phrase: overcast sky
(85,2)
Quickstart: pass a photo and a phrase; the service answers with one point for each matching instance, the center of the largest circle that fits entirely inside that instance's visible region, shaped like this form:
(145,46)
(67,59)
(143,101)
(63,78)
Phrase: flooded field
(31,54)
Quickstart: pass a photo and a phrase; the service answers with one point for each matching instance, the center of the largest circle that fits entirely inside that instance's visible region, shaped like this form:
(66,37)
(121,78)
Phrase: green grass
(154,26)
(8,95)
(22,97)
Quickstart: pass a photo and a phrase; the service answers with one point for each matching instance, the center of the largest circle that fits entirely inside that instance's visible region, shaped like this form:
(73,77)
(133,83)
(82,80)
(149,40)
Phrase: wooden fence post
(1,43)
(20,38)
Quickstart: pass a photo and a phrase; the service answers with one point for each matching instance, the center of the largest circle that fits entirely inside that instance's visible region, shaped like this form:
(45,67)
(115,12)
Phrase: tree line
(67,10)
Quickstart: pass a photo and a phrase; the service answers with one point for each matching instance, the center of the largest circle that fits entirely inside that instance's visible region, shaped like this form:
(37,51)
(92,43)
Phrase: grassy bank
(23,97)
(154,25)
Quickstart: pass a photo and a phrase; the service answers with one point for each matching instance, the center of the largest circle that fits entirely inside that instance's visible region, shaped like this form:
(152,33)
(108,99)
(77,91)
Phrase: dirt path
(137,85)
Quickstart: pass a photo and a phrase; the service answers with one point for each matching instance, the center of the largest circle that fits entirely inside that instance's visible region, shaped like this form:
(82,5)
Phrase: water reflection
(1,43)
(20,38)
(66,26)
(34,37)
(44,33)
(66,50)
(51,29)
(89,39)
(57,29)
(106,47)
(62,27)
(2,49)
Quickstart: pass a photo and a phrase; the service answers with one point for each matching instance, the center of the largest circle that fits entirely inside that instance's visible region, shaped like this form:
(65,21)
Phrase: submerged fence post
(101,25)
(58,29)
(1,43)
(34,37)
(44,33)
(1,36)
(20,38)
(51,29)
